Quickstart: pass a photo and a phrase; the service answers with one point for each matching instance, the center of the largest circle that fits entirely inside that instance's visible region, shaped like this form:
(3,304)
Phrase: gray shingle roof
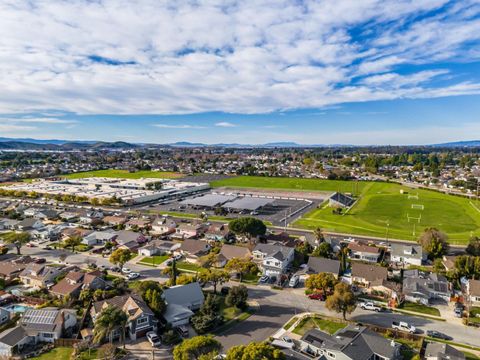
(184,294)
(443,351)
(13,336)
(319,265)
(412,251)
(279,252)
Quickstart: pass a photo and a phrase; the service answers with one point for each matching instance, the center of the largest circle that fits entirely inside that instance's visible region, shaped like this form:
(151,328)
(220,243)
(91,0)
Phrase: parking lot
(271,208)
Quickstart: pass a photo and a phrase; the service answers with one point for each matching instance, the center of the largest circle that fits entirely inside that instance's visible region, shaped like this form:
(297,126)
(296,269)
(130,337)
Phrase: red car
(317,296)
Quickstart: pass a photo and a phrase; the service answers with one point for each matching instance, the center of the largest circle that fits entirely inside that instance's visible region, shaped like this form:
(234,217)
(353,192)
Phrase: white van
(294,280)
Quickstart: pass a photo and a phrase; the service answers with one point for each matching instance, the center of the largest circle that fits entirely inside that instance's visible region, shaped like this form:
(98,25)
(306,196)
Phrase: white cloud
(225,124)
(38,120)
(10,128)
(185,126)
(149,57)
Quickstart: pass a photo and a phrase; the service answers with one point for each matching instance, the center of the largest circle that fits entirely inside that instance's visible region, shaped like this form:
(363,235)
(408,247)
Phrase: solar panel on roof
(40,316)
(209,200)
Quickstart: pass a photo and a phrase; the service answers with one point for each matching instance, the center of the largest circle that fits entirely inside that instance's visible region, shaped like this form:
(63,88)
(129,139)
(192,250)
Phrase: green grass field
(382,203)
(124,174)
(154,260)
(297,184)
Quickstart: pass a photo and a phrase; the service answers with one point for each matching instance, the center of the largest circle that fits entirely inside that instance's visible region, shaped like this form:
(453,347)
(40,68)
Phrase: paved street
(278,306)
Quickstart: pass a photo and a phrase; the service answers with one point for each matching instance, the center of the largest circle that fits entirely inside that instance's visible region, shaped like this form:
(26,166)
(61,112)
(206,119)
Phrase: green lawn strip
(187,267)
(453,343)
(410,347)
(290,323)
(420,308)
(470,356)
(110,277)
(430,317)
(371,298)
(153,260)
(124,174)
(314,322)
(91,354)
(59,353)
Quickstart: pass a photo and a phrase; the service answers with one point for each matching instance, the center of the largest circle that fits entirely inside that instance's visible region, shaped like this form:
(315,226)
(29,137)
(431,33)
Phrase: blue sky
(313,72)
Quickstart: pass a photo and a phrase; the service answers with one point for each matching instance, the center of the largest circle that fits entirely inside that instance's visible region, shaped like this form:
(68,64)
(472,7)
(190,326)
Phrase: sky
(251,72)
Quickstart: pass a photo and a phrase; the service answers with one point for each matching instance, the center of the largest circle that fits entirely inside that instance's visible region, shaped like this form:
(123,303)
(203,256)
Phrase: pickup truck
(403,326)
(370,306)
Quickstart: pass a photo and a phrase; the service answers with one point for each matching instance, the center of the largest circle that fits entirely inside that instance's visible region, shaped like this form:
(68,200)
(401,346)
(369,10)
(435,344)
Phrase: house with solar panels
(37,326)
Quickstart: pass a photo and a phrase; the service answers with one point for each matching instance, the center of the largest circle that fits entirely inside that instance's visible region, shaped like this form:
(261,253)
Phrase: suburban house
(217,232)
(364,252)
(181,301)
(441,351)
(76,281)
(273,259)
(407,254)
(40,275)
(8,224)
(341,200)
(37,326)
(70,216)
(473,291)
(228,252)
(158,247)
(348,343)
(5,315)
(29,224)
(422,287)
(188,231)
(10,270)
(141,318)
(130,240)
(140,224)
(317,265)
(367,275)
(74,231)
(99,238)
(91,217)
(163,226)
(114,220)
(193,249)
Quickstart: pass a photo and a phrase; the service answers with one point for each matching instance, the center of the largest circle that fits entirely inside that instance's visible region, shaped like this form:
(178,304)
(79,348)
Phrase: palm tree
(319,237)
(110,318)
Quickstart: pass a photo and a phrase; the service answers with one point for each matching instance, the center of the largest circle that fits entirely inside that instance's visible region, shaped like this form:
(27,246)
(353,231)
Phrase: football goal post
(413,218)
(411,196)
(418,207)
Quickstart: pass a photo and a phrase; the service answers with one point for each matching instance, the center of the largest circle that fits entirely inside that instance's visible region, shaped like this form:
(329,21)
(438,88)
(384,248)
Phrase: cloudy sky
(325,71)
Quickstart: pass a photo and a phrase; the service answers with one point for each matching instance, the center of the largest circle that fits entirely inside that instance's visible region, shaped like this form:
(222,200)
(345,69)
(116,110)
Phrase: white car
(126,270)
(153,338)
(133,275)
(178,257)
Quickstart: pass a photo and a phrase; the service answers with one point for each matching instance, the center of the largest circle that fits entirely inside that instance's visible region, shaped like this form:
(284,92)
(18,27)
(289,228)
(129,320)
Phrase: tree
(214,276)
(343,257)
(305,249)
(17,239)
(242,266)
(237,296)
(73,241)
(324,281)
(184,279)
(257,351)
(323,250)
(154,300)
(434,242)
(248,226)
(208,315)
(107,352)
(473,247)
(108,320)
(467,266)
(120,257)
(195,347)
(319,237)
(342,301)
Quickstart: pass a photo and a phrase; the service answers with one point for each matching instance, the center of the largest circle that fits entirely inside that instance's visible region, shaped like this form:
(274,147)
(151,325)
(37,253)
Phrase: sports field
(124,174)
(382,203)
(297,184)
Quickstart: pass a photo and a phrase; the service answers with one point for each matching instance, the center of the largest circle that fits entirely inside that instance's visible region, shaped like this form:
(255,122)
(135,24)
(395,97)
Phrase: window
(331,355)
(47,335)
(142,321)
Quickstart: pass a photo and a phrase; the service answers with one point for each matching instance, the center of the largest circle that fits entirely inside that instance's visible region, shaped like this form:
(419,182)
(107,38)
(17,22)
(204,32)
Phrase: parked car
(294,280)
(404,326)
(115,269)
(126,270)
(183,331)
(370,306)
(178,257)
(154,339)
(458,312)
(40,261)
(317,296)
(438,335)
(133,276)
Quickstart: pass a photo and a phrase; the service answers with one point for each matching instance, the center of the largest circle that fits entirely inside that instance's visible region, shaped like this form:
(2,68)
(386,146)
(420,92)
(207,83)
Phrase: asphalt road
(278,306)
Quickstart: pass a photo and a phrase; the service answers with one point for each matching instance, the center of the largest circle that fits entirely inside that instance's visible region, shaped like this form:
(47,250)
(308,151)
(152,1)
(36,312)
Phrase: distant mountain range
(66,145)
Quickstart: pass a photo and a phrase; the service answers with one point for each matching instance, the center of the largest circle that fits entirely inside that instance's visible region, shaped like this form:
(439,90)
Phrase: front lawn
(59,353)
(154,260)
(329,326)
(290,323)
(187,267)
(420,308)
